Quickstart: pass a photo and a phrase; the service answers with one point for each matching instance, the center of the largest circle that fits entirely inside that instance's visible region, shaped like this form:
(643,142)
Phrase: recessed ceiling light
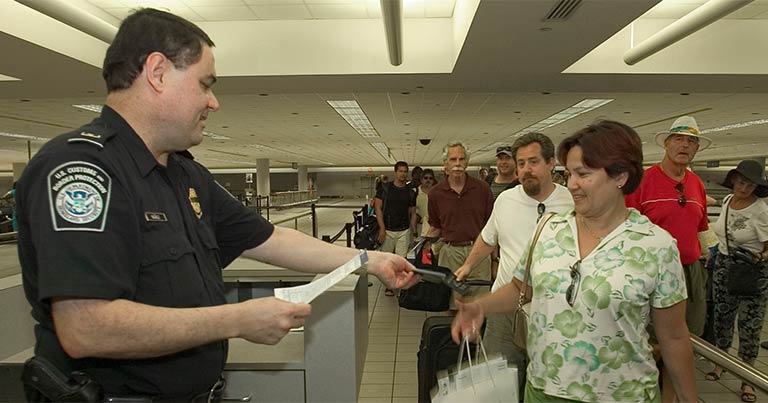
(406,124)
(518,111)
(735,126)
(25,100)
(263,95)
(685,93)
(294,113)
(23,136)
(406,93)
(545,93)
(90,108)
(627,112)
(353,114)
(215,136)
(577,109)
(419,87)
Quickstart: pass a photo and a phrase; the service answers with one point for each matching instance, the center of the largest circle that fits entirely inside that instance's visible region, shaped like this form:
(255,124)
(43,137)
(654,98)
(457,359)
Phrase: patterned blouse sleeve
(670,280)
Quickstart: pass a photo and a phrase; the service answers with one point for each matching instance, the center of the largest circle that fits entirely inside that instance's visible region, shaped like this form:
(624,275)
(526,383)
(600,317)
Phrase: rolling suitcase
(437,351)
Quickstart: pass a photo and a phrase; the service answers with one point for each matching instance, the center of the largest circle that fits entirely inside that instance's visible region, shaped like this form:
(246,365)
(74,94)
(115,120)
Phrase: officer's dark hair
(143,32)
(399,164)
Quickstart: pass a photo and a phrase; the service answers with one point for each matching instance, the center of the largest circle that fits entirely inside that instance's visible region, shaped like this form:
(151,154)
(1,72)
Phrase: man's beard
(531,186)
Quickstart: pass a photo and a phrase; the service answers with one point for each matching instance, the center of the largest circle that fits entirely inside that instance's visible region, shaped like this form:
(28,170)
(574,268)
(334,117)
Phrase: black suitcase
(437,352)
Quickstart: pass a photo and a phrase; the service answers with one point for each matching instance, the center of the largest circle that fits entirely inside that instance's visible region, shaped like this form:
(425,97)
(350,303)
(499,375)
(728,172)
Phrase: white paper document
(307,292)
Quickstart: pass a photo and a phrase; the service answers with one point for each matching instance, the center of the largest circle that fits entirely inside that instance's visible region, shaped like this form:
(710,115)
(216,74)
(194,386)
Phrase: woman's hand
(468,321)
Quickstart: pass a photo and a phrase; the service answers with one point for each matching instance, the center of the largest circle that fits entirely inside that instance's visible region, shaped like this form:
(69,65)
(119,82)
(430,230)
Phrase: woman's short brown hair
(610,145)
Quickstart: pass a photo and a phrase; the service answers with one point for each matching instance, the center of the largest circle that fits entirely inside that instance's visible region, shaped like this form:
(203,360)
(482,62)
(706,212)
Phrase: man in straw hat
(673,197)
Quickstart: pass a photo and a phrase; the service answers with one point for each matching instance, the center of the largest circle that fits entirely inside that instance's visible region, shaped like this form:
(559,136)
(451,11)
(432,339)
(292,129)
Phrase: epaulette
(92,134)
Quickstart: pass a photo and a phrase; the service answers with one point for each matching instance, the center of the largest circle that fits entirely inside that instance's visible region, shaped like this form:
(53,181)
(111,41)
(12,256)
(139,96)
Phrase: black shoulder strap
(385,195)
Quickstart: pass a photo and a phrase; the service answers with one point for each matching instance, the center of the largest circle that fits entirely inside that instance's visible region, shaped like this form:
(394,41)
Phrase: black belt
(210,396)
(460,243)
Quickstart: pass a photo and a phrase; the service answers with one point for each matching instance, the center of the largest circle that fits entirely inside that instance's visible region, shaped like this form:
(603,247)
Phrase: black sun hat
(752,171)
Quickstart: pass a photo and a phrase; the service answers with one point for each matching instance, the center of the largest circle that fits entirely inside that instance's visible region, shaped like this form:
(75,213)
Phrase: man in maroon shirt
(458,209)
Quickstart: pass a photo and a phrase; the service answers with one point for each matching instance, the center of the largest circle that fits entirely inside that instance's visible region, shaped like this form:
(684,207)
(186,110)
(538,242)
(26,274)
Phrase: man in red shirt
(673,197)
(458,210)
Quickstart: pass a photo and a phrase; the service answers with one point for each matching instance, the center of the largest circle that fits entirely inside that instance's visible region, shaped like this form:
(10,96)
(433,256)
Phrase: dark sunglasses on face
(540,209)
(503,148)
(428,178)
(681,194)
(573,289)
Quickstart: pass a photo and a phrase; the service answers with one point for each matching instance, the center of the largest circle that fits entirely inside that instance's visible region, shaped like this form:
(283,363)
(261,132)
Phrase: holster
(43,382)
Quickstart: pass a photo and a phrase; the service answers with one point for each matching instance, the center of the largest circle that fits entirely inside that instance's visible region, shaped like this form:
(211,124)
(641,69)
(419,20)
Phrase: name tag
(155,217)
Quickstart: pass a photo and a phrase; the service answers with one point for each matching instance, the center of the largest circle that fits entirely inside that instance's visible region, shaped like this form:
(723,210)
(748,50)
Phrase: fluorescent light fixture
(735,126)
(382,149)
(354,115)
(215,136)
(583,106)
(90,108)
(23,136)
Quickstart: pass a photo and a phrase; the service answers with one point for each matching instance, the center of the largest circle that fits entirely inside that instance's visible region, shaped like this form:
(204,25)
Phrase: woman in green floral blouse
(598,275)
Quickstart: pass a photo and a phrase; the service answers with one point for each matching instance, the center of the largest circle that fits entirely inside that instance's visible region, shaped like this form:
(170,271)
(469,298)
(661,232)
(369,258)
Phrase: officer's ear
(155,68)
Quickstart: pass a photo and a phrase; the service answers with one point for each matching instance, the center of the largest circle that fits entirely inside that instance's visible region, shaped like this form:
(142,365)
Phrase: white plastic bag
(490,381)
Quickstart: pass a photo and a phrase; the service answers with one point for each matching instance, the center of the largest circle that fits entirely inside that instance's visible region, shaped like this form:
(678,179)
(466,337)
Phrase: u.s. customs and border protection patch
(78,193)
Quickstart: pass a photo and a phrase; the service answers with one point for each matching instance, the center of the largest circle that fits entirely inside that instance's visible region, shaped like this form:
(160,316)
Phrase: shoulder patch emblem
(195,202)
(78,193)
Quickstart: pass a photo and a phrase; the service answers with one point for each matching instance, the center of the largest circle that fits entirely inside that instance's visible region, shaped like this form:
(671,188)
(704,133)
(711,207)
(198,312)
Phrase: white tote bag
(488,381)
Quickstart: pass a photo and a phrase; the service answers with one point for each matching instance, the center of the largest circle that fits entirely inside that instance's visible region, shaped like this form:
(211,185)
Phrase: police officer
(123,236)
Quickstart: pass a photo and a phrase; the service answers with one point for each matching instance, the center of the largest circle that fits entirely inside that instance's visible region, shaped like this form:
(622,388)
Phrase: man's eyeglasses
(681,194)
(540,209)
(573,289)
(503,148)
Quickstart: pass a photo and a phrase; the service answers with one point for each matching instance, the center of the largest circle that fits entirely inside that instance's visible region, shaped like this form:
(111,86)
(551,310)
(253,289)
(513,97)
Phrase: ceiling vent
(562,10)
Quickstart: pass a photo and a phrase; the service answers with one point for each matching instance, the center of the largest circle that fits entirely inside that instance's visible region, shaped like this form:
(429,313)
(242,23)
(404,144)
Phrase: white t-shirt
(748,227)
(512,223)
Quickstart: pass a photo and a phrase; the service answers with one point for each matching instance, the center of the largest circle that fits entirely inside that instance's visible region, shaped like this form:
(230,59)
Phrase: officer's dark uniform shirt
(100,218)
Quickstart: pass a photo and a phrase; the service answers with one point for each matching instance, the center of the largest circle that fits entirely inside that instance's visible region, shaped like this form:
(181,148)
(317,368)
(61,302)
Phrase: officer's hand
(382,235)
(393,270)
(468,321)
(268,320)
(462,272)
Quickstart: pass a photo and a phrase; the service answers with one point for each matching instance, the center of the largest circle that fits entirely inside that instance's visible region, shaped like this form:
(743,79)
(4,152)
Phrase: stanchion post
(314,220)
(348,228)
(327,238)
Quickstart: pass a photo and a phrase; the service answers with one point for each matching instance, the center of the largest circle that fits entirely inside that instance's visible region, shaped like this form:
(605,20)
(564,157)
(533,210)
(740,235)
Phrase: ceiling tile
(106,3)
(338,11)
(225,13)
(119,12)
(751,11)
(273,2)
(213,3)
(282,12)
(439,9)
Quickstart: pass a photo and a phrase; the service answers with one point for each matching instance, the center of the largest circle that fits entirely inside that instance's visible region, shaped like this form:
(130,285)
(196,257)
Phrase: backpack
(367,236)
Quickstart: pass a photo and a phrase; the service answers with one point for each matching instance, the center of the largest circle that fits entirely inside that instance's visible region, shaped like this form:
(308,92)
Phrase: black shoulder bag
(742,270)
